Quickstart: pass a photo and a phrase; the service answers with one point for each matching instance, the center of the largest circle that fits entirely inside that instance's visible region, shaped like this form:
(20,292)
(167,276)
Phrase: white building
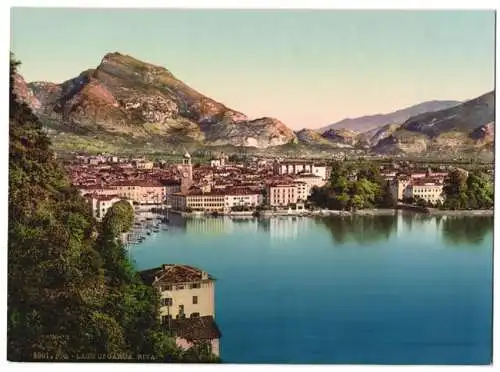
(311,181)
(426,189)
(242,198)
(282,195)
(302,190)
(215,163)
(187,303)
(320,171)
(297,167)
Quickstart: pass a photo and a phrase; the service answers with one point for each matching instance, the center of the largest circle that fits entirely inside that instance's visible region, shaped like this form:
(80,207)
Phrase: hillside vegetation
(72,293)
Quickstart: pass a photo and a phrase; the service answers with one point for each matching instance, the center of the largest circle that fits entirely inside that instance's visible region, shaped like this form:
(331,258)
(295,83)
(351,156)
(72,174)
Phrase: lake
(402,289)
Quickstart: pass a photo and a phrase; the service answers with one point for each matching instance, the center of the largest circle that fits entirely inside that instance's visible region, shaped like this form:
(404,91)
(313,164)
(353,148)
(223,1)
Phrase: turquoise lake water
(404,289)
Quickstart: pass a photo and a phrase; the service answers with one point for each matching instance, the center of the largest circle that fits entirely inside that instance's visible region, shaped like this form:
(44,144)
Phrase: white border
(245,4)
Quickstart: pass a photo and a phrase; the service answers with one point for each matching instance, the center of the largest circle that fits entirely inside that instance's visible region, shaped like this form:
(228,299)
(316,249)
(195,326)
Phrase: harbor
(146,223)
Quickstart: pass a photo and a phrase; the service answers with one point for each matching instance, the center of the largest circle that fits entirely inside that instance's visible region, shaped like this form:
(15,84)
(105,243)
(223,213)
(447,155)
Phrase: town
(225,188)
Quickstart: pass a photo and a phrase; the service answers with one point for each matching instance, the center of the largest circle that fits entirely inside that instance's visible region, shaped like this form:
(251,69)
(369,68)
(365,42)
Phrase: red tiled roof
(428,182)
(172,273)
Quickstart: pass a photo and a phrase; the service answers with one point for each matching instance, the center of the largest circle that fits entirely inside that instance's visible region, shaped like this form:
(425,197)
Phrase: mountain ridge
(125,95)
(366,123)
(466,127)
(126,103)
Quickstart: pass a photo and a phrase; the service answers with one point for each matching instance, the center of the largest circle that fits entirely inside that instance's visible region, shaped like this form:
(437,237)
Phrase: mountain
(311,137)
(137,103)
(341,136)
(370,122)
(372,137)
(467,127)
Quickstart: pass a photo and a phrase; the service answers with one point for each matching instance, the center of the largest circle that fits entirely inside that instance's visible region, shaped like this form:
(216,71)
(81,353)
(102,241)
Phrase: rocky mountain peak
(126,95)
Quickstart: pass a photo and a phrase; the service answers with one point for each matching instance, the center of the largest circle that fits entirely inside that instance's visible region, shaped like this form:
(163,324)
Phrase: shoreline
(361,212)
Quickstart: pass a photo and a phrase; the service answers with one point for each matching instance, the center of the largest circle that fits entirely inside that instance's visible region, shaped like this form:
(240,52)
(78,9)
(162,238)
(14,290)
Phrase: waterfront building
(430,190)
(302,190)
(187,303)
(311,181)
(196,200)
(242,198)
(282,195)
(217,200)
(149,191)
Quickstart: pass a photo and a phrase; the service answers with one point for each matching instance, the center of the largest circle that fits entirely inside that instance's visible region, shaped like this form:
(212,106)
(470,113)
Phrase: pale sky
(305,68)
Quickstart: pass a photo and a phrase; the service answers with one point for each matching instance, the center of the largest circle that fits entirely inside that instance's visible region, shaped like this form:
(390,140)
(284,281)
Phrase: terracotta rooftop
(428,182)
(173,273)
(102,197)
(194,329)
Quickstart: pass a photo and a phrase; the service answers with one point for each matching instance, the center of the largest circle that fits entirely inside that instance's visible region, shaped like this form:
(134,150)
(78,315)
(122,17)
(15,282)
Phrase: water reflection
(288,227)
(360,229)
(214,226)
(466,230)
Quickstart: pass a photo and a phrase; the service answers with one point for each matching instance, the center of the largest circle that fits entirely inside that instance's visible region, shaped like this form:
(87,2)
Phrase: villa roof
(194,329)
(173,273)
(428,182)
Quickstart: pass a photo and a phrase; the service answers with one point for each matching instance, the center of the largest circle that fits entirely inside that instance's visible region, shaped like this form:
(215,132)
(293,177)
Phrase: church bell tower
(186,169)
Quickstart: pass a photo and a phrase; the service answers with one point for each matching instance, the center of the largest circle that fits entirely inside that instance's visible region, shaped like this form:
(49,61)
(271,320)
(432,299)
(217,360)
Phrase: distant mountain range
(370,122)
(125,103)
(466,127)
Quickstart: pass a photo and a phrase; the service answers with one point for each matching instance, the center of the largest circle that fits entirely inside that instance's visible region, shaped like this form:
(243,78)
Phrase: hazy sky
(306,68)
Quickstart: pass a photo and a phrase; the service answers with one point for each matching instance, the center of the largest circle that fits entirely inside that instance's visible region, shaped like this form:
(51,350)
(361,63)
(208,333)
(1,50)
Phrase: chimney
(204,275)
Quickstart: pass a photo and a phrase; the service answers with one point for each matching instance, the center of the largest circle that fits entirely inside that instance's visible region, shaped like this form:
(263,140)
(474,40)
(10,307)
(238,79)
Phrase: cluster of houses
(219,187)
(224,187)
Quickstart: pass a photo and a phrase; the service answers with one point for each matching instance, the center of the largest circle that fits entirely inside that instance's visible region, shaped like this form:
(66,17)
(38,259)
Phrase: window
(195,315)
(181,314)
(195,285)
(179,287)
(165,318)
(195,300)
(166,302)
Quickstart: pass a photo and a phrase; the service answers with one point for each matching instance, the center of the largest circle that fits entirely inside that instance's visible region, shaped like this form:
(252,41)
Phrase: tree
(68,292)
(52,263)
(119,218)
(387,199)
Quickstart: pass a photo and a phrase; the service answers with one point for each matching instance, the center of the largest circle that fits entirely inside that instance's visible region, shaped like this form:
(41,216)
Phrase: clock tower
(186,169)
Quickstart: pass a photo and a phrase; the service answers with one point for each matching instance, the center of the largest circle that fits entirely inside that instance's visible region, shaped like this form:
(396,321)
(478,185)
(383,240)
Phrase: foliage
(71,288)
(353,187)
(474,191)
(119,218)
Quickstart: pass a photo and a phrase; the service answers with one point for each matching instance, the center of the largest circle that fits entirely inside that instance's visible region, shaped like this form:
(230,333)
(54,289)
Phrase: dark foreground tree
(69,294)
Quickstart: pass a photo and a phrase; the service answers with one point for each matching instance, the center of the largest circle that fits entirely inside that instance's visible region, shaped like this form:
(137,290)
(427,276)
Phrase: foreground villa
(187,307)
